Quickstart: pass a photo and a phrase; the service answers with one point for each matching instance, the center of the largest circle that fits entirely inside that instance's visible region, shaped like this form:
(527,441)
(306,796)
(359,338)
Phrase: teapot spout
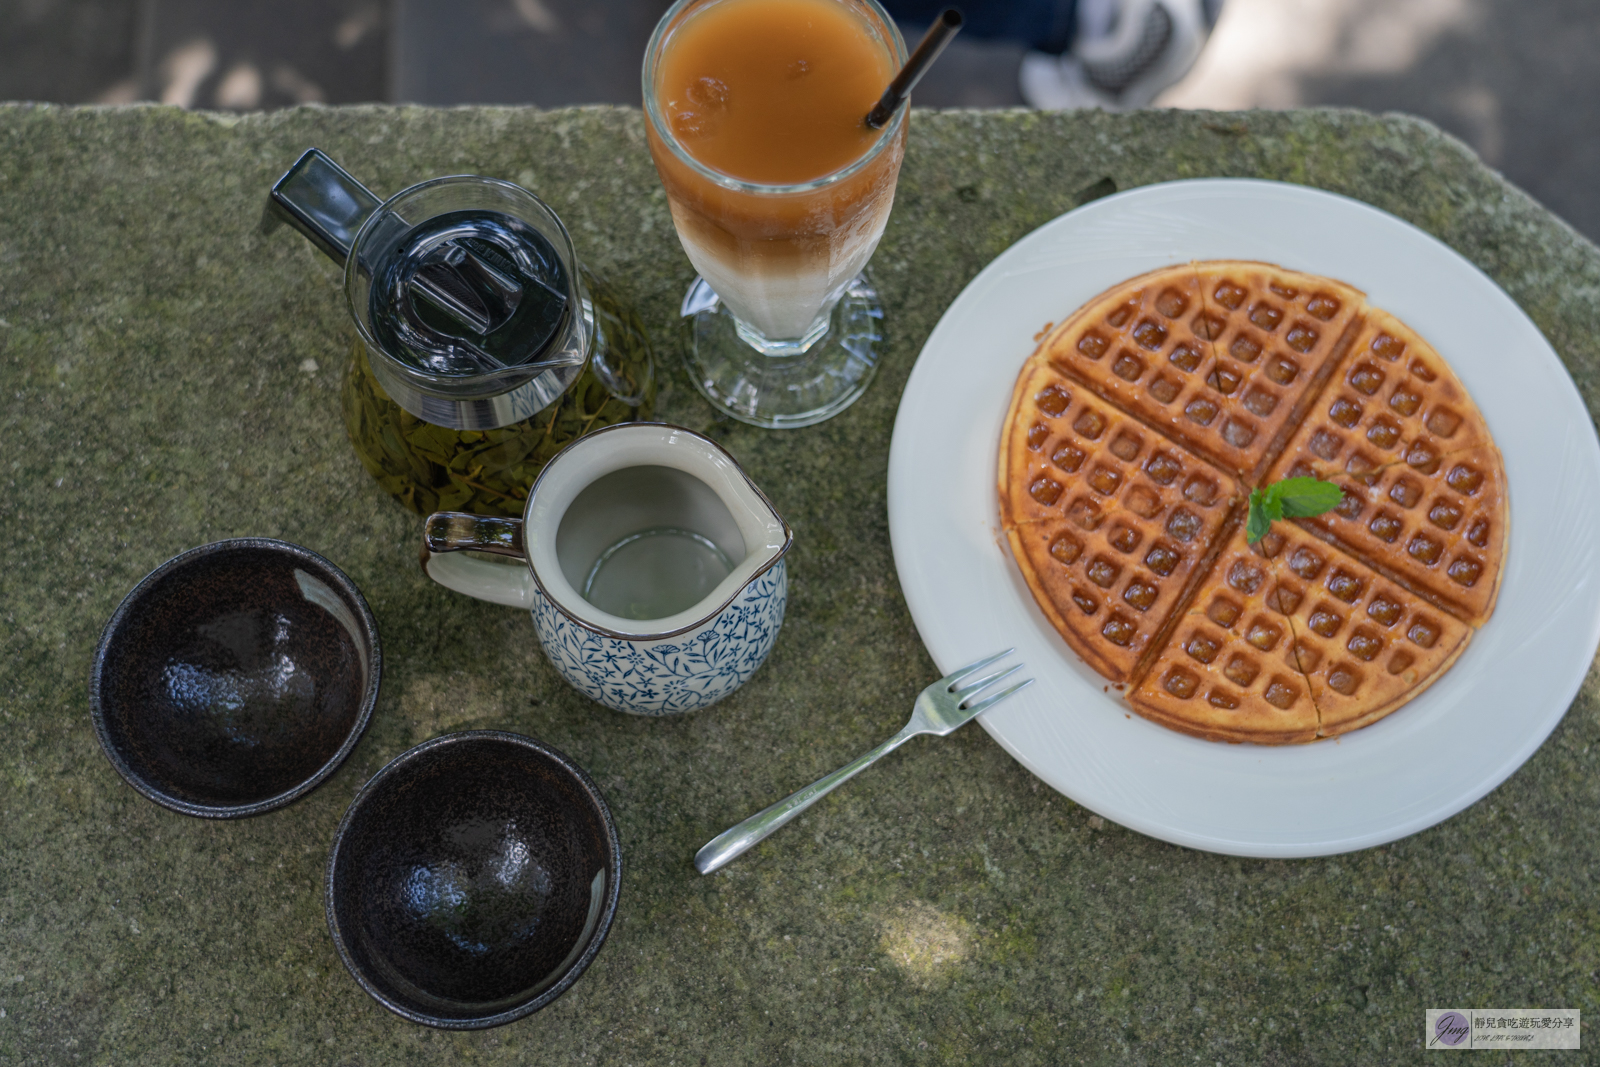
(320,199)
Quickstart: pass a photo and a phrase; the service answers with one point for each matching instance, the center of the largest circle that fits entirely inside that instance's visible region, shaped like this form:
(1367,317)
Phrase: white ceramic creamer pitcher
(654,573)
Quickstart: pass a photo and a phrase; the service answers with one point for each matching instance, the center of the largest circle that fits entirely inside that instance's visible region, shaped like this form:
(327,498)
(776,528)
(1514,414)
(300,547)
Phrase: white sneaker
(1127,51)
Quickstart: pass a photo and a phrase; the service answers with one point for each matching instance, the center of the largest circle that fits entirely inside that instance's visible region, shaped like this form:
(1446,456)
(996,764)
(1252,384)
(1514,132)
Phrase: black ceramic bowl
(473,880)
(235,677)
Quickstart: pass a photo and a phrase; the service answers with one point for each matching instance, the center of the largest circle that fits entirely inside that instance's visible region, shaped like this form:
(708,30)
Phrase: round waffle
(1136,432)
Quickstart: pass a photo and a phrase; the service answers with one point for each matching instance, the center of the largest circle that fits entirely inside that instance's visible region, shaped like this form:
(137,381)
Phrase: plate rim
(1560,694)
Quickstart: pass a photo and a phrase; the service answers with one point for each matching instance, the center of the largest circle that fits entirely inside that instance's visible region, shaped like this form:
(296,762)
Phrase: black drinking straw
(944,27)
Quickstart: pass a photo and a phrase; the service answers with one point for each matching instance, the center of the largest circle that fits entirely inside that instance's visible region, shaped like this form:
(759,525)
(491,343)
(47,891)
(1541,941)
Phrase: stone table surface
(169,376)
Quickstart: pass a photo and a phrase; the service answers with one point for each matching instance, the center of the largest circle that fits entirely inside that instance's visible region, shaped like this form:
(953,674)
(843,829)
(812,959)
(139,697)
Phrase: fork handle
(735,842)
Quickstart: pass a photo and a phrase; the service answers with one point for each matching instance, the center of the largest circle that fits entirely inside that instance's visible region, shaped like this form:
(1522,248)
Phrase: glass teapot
(485,347)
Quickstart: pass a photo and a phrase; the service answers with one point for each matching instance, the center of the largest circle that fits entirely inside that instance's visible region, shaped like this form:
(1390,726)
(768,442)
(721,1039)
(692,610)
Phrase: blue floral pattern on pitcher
(668,677)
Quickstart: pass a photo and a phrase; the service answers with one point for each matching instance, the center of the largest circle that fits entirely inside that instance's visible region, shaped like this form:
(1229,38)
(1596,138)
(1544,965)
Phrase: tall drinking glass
(779,192)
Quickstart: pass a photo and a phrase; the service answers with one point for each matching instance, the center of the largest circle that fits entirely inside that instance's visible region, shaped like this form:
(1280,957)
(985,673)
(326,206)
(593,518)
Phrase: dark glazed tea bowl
(473,880)
(235,678)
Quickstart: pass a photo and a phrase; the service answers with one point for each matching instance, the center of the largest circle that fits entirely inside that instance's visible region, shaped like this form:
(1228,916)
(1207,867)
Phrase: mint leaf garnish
(1265,509)
(1304,497)
(1292,498)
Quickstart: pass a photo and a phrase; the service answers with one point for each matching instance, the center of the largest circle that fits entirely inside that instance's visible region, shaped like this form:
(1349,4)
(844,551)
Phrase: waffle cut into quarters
(1136,432)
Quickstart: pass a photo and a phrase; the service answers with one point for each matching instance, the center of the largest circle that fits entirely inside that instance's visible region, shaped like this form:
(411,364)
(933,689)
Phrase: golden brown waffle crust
(1233,737)
(1213,732)
(1016,527)
(1186,302)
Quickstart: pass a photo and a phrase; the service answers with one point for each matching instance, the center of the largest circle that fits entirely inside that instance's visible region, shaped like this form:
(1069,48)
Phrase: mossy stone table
(169,376)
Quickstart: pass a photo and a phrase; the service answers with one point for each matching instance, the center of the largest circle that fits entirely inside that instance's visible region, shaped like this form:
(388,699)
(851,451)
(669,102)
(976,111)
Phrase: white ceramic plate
(1444,750)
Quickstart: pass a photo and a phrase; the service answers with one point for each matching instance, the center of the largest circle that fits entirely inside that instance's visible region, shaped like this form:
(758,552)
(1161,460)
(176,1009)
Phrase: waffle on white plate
(1137,430)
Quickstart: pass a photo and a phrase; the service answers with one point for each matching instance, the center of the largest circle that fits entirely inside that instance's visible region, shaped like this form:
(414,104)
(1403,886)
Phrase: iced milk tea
(778,189)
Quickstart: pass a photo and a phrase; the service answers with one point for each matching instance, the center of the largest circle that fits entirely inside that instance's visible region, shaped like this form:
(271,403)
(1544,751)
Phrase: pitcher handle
(320,199)
(449,532)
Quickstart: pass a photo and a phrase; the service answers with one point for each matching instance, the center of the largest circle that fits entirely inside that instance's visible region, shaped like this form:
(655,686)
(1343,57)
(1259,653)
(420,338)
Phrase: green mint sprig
(1292,498)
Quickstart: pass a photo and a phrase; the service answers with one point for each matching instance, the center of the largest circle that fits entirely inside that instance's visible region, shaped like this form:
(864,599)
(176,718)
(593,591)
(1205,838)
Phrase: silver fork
(940,709)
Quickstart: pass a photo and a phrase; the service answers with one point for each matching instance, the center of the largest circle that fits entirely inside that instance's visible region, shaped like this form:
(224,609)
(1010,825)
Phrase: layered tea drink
(778,189)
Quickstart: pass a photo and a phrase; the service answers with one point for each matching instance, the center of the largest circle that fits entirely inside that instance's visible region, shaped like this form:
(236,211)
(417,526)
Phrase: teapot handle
(622,357)
(449,532)
(320,199)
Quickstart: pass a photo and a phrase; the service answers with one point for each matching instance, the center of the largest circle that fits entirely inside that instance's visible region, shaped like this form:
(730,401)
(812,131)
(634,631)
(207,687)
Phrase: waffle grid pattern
(1424,488)
(1218,359)
(1322,643)
(1299,636)
(1114,521)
